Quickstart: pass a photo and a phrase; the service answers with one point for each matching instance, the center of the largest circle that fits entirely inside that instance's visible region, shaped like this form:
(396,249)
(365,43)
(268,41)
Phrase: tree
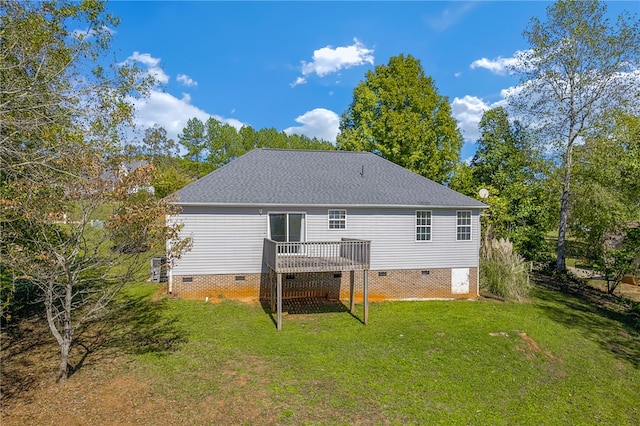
(607,191)
(579,68)
(398,114)
(617,260)
(213,144)
(168,179)
(193,138)
(223,143)
(516,175)
(62,114)
(157,146)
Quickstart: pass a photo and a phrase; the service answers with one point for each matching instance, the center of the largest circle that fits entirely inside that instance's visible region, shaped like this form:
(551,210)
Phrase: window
(423,225)
(464,226)
(337,219)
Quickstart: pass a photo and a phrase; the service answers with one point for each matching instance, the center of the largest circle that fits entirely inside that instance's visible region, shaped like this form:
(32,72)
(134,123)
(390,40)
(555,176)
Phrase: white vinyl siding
(337,219)
(463,225)
(423,225)
(225,241)
(231,240)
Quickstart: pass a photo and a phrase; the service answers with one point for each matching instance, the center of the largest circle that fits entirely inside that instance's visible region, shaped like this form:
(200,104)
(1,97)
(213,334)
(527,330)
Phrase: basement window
(187,279)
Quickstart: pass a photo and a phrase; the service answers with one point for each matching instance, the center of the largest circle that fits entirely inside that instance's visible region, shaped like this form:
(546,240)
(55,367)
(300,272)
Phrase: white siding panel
(225,241)
(230,240)
(393,237)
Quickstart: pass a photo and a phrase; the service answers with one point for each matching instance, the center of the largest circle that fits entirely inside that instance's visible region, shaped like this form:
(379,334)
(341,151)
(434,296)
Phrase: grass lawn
(557,360)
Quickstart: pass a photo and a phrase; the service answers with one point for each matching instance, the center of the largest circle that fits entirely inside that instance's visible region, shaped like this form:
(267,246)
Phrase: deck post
(279,291)
(272,290)
(352,281)
(365,286)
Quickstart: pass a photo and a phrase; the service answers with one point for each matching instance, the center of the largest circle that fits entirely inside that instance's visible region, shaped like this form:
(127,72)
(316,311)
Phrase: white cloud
(186,80)
(299,80)
(468,112)
(503,66)
(450,16)
(164,109)
(328,60)
(172,113)
(152,64)
(319,123)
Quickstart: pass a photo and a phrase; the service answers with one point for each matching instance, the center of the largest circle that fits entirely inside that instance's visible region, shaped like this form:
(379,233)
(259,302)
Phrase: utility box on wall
(158,269)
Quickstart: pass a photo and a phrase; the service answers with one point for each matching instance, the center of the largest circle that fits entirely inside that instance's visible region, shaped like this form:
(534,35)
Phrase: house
(276,224)
(113,177)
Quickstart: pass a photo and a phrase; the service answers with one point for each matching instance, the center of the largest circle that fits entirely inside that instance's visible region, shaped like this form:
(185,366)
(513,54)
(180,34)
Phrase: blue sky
(294,65)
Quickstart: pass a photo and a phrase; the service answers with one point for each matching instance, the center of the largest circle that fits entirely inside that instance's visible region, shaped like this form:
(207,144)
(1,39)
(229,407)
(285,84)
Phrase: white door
(459,280)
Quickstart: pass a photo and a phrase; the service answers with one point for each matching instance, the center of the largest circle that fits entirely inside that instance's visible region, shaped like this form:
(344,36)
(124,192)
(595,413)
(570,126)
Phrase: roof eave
(399,206)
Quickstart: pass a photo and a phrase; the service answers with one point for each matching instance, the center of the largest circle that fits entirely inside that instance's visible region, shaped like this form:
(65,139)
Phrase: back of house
(417,239)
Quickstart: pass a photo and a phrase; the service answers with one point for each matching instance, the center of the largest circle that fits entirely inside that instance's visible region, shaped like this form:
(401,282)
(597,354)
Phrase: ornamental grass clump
(503,272)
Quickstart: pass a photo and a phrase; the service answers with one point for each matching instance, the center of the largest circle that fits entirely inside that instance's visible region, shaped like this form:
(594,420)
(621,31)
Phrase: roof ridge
(312,150)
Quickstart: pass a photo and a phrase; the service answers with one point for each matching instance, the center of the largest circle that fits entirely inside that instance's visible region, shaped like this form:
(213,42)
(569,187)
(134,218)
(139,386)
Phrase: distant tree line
(205,146)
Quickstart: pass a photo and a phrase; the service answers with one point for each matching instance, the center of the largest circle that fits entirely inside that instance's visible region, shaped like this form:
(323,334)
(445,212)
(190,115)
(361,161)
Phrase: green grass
(556,360)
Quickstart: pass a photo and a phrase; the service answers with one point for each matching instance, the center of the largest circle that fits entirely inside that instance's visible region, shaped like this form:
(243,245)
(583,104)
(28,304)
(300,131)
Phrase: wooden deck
(317,256)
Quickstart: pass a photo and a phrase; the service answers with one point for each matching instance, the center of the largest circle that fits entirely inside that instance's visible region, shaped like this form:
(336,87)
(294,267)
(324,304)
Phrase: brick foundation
(383,285)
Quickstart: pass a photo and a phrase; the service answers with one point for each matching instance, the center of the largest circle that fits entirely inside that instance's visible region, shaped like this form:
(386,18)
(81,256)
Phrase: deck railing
(317,256)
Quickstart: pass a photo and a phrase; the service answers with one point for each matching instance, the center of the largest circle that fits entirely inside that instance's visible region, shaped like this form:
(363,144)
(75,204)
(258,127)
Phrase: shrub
(503,272)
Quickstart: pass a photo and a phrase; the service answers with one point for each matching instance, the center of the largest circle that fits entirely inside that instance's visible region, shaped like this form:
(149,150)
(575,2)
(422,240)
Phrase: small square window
(463,229)
(423,225)
(337,219)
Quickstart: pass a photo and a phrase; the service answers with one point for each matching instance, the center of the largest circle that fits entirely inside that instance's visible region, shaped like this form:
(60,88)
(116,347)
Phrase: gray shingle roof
(330,178)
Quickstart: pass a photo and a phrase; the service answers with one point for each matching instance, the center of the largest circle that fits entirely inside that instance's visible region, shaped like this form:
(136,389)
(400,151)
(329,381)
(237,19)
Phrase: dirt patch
(531,348)
(103,395)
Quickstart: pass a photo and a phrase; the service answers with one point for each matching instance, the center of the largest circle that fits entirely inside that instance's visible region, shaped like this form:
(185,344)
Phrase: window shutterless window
(337,219)
(463,229)
(423,225)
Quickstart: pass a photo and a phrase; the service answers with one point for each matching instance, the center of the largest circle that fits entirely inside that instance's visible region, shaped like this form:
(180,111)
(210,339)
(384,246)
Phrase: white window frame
(339,220)
(426,227)
(459,226)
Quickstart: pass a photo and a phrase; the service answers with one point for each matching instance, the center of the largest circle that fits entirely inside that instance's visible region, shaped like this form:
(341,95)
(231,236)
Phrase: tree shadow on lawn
(592,311)
(135,325)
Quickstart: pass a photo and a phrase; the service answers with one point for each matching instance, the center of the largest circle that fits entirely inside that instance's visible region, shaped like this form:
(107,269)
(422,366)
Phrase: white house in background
(291,223)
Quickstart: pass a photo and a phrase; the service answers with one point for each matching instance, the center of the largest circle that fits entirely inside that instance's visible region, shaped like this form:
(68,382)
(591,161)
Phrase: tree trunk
(561,264)
(63,373)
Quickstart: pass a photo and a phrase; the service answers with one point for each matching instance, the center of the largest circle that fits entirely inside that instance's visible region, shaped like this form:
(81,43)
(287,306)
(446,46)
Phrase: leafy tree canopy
(398,114)
(65,202)
(580,68)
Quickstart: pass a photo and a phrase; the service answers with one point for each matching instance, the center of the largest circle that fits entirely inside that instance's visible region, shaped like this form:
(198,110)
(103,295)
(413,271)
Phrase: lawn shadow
(613,322)
(134,325)
(307,305)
